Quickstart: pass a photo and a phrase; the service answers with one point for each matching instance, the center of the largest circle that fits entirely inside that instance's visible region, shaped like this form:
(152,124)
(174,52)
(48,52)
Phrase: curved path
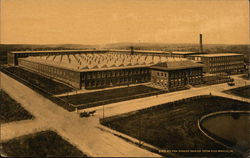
(207,134)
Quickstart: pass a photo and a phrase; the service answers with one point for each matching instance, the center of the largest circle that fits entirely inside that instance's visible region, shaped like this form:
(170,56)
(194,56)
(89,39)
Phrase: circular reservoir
(231,126)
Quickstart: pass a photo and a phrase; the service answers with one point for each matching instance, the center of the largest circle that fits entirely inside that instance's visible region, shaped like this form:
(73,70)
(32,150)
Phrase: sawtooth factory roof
(101,61)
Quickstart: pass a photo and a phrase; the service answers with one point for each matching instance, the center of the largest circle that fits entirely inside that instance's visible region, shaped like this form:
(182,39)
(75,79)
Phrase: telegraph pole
(102,110)
(140,135)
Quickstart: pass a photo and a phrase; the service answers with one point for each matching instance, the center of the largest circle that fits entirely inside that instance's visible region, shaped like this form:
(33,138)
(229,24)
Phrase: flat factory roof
(183,53)
(137,51)
(175,65)
(217,55)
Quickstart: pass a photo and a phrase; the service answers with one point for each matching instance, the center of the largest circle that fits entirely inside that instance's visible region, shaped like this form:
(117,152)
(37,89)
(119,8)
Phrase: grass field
(11,110)
(245,76)
(241,91)
(42,144)
(109,95)
(44,83)
(174,126)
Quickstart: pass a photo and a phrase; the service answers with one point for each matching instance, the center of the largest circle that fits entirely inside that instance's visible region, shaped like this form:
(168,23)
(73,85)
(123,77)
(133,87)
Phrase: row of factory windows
(185,73)
(33,54)
(45,68)
(116,73)
(189,79)
(226,63)
(226,58)
(176,73)
(162,74)
(160,82)
(97,83)
(180,82)
(177,82)
(214,69)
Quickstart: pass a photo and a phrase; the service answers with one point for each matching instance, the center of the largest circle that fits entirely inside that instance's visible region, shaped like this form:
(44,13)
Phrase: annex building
(231,63)
(176,74)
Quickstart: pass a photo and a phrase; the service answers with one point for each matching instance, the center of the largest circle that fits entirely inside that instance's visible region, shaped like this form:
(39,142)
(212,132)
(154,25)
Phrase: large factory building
(99,70)
(89,69)
(220,63)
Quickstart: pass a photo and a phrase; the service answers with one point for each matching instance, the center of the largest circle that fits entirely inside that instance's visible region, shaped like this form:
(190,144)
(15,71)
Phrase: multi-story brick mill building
(176,74)
(220,63)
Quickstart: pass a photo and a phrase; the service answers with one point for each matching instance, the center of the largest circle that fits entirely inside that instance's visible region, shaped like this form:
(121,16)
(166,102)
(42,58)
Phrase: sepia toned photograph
(124,78)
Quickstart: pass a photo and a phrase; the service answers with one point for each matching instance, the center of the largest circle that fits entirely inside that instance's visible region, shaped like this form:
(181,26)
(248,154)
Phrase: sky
(113,21)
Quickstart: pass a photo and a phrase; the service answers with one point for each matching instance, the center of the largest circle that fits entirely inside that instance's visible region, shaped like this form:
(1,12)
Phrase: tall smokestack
(201,46)
(132,50)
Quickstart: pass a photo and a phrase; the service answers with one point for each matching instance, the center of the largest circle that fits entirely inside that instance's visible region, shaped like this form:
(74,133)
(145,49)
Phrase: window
(88,76)
(103,74)
(98,74)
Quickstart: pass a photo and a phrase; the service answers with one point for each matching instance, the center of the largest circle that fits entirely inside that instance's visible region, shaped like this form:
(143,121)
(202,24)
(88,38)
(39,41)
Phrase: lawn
(44,83)
(42,144)
(245,76)
(11,110)
(113,95)
(173,126)
(241,91)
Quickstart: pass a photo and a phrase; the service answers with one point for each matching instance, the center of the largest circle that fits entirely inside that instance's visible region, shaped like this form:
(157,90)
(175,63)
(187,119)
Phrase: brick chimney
(132,50)
(201,46)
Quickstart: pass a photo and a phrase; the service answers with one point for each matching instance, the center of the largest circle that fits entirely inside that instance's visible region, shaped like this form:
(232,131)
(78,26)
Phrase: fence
(41,91)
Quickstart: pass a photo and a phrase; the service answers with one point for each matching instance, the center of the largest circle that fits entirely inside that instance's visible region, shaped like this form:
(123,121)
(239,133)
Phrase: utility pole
(102,110)
(76,109)
(140,133)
